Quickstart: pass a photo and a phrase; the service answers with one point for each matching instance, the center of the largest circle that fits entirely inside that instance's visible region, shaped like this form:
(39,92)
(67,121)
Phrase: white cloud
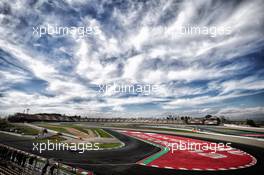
(247,83)
(242,112)
(130,41)
(118,108)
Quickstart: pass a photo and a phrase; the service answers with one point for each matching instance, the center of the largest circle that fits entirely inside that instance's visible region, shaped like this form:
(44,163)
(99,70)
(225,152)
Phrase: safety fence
(17,162)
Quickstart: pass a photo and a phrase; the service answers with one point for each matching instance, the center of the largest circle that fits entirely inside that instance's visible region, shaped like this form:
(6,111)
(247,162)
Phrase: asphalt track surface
(123,161)
(231,131)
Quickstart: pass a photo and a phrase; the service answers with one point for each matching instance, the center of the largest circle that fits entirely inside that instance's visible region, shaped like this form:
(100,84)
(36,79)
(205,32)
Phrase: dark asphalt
(121,161)
(230,131)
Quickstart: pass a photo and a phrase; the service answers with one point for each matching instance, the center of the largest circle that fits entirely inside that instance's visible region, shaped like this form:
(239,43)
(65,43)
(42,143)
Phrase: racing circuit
(149,152)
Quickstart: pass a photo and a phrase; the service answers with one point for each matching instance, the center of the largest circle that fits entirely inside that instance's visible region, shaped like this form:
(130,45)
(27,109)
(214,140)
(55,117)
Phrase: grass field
(17,128)
(102,133)
(109,145)
(26,129)
(55,139)
(62,129)
(77,128)
(59,129)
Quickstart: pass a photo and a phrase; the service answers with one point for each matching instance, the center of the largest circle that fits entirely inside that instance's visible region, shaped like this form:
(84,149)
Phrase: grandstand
(45,117)
(15,162)
(22,117)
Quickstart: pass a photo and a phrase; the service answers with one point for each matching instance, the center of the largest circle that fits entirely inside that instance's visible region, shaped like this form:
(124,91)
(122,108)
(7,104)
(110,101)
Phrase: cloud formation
(137,43)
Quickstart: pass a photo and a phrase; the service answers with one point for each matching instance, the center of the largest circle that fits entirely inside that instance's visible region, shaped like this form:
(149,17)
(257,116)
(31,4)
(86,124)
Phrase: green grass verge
(102,133)
(79,128)
(54,139)
(26,129)
(109,145)
(59,129)
(17,128)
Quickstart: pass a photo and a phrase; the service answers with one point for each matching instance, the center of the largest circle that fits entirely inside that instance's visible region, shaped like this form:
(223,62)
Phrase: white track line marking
(168,167)
(196,169)
(241,167)
(222,169)
(182,168)
(232,168)
(209,169)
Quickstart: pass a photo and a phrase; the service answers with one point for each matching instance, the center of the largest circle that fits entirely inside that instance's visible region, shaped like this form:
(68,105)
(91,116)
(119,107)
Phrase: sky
(133,43)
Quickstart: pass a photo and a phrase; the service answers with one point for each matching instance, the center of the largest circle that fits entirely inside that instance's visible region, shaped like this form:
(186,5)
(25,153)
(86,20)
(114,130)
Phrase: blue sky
(136,43)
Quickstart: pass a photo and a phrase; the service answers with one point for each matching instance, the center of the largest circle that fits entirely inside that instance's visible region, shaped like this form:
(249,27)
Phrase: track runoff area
(181,153)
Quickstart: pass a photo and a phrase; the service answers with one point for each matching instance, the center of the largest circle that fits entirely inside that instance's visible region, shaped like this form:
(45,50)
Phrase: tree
(208,116)
(223,119)
(218,121)
(186,119)
(251,123)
